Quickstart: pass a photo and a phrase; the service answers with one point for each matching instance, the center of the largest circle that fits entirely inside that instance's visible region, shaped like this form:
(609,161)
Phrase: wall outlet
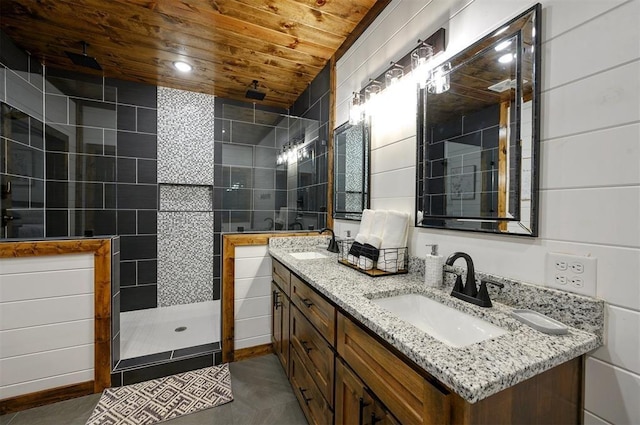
(574,273)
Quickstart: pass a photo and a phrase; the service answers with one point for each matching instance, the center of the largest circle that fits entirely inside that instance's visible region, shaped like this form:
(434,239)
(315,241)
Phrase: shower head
(84,59)
(253,93)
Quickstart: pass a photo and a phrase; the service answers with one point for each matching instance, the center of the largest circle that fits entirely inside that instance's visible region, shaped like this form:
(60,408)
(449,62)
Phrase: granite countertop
(475,371)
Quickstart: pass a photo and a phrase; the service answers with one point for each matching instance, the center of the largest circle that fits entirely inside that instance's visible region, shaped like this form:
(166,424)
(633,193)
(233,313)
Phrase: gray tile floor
(262,395)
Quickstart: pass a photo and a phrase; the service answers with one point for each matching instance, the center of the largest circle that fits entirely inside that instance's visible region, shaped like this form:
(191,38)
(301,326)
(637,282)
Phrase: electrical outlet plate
(573,273)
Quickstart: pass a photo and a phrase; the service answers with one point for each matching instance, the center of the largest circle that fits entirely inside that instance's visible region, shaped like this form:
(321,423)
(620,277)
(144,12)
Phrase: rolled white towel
(394,239)
(379,223)
(366,223)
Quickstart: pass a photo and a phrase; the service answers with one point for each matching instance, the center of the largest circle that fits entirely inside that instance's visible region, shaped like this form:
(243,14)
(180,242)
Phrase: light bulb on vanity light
(440,80)
(419,64)
(393,75)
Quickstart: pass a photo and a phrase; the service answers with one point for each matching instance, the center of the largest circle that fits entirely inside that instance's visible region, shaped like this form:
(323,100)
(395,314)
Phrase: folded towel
(378,225)
(366,223)
(394,239)
(369,253)
(356,248)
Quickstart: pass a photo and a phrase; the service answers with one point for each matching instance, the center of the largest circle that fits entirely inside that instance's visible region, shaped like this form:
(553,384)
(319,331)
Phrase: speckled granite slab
(475,371)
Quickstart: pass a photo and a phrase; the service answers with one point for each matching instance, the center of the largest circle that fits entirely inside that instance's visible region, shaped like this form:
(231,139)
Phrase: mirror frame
(366,175)
(512,28)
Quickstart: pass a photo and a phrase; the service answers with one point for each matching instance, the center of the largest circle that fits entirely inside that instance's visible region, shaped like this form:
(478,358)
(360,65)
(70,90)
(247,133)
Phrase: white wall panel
(252,307)
(44,338)
(590,419)
(42,365)
(46,383)
(252,287)
(394,156)
(600,215)
(45,311)
(252,251)
(46,263)
(392,184)
(250,328)
(252,342)
(29,286)
(622,346)
(252,267)
(612,393)
(603,100)
(579,161)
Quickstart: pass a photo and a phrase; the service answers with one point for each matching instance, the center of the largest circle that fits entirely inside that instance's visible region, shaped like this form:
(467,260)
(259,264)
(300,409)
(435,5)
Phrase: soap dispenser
(433,268)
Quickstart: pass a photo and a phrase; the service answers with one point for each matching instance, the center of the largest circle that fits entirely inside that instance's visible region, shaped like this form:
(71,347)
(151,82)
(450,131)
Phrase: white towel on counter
(378,225)
(366,222)
(394,240)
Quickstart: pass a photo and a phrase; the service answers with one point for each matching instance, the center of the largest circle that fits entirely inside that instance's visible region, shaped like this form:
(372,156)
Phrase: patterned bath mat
(162,399)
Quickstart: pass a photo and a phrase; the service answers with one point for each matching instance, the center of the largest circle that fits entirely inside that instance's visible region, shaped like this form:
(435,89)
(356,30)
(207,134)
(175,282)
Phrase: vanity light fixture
(393,75)
(182,66)
(370,95)
(440,80)
(419,63)
(355,109)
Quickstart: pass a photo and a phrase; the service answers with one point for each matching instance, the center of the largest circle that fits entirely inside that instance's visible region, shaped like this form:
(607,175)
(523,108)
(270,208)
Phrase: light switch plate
(573,273)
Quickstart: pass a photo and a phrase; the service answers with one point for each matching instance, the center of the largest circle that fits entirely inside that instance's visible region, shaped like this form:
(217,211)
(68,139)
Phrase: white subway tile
(28,286)
(562,15)
(606,216)
(23,341)
(252,267)
(46,263)
(604,100)
(46,364)
(612,393)
(23,314)
(252,251)
(570,56)
(394,156)
(608,157)
(251,342)
(46,383)
(394,184)
(252,307)
(252,287)
(622,346)
(249,328)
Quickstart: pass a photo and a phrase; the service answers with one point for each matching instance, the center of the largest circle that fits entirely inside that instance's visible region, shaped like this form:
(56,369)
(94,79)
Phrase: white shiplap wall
(252,296)
(590,159)
(46,322)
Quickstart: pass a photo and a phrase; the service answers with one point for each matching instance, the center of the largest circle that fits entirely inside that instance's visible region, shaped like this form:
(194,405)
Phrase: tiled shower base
(150,346)
(154,330)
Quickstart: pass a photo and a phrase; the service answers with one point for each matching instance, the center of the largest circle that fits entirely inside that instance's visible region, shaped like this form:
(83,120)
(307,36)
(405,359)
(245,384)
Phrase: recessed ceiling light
(506,58)
(182,66)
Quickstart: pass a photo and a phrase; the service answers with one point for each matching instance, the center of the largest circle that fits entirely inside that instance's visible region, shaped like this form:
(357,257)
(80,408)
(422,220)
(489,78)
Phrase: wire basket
(374,262)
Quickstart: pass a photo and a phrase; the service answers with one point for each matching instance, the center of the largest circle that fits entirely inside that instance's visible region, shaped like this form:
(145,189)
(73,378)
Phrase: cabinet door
(280,325)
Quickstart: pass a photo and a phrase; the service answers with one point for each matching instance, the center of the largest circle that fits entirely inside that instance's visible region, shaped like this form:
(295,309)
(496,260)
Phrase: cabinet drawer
(408,395)
(313,405)
(281,276)
(316,309)
(314,352)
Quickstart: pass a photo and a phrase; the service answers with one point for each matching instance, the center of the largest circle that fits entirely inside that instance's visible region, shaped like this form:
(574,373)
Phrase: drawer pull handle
(361,407)
(307,302)
(305,347)
(276,300)
(304,397)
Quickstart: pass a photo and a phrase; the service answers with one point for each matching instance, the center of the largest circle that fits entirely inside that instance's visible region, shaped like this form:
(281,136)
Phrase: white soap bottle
(433,268)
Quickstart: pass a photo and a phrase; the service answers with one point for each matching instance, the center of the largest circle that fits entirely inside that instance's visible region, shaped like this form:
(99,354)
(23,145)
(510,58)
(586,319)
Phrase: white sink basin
(309,255)
(444,323)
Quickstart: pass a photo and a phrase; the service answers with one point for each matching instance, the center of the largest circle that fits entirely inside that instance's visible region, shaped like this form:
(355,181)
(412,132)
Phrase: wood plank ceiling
(283,44)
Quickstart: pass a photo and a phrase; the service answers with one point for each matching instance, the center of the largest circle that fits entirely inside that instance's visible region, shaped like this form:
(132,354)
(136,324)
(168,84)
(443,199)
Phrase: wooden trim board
(101,249)
(229,243)
(250,352)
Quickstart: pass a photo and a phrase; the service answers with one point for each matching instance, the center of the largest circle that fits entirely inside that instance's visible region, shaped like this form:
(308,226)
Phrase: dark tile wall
(80,154)
(312,174)
(101,149)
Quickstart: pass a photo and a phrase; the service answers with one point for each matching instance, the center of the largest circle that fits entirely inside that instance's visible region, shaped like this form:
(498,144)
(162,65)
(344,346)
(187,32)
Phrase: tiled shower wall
(185,218)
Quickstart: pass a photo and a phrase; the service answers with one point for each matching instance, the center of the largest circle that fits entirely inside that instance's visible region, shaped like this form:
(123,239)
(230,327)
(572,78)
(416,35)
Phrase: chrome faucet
(333,245)
(469,291)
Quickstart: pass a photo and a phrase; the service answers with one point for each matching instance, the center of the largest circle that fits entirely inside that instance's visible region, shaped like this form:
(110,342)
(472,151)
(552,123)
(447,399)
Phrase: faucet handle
(491,282)
(483,294)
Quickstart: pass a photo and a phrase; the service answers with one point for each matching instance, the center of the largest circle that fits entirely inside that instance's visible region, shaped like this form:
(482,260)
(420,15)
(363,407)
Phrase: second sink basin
(446,324)
(308,255)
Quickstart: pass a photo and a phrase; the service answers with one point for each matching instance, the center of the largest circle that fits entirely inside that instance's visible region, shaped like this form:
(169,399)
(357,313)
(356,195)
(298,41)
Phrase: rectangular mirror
(478,135)
(351,170)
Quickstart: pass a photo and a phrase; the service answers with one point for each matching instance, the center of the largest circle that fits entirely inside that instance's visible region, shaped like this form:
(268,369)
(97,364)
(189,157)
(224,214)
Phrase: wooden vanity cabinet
(280,307)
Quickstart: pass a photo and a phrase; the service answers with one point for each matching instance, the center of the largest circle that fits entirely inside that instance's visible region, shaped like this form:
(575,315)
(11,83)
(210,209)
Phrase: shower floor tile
(153,330)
